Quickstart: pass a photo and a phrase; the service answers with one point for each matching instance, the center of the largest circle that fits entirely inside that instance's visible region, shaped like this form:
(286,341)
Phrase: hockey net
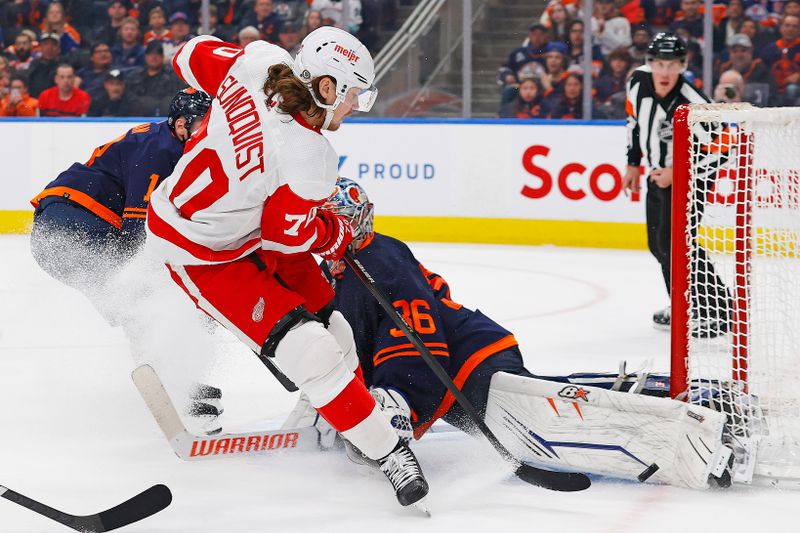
(736,276)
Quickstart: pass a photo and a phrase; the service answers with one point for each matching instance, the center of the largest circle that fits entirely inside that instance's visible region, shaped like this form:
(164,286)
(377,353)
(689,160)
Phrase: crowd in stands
(73,58)
(756,54)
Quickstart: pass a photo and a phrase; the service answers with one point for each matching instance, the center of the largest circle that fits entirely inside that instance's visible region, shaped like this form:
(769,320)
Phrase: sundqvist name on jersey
(391,169)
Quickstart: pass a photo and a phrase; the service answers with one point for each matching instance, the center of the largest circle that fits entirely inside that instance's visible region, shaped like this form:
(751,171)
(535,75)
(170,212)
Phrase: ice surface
(75,434)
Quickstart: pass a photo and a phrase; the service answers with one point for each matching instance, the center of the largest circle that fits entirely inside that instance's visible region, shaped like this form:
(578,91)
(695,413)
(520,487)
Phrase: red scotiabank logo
(568,180)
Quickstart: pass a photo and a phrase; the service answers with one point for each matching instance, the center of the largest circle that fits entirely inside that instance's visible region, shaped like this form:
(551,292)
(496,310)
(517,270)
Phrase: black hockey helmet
(666,45)
(190,104)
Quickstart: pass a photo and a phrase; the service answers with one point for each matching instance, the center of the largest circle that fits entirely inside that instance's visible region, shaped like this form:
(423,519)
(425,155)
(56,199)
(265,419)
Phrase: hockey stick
(145,504)
(192,447)
(282,378)
(562,481)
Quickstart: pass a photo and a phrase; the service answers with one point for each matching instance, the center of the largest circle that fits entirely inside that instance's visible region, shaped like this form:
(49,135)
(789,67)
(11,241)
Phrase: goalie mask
(350,201)
(329,51)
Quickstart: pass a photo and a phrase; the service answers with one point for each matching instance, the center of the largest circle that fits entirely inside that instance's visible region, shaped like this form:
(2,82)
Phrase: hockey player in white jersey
(237,221)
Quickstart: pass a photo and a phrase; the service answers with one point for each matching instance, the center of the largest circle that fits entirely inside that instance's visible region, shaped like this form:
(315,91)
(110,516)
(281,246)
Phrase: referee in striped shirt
(654,92)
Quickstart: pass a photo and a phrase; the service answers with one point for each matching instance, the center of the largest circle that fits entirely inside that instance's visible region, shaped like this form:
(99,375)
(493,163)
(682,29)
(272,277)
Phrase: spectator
(660,13)
(64,100)
(154,85)
(729,26)
(694,64)
(569,104)
(247,35)
(264,20)
(291,11)
(55,22)
(555,68)
(231,11)
(759,37)
(290,37)
(25,13)
(730,88)
(533,52)
(575,48)
(19,103)
(332,15)
(128,53)
(613,80)
(42,72)
(157,24)
(783,58)
(691,21)
(110,32)
(22,54)
(91,78)
(557,22)
(114,101)
(792,7)
(5,82)
(214,27)
(313,21)
(4,65)
(613,30)
(760,88)
(527,102)
(631,10)
(179,27)
(638,50)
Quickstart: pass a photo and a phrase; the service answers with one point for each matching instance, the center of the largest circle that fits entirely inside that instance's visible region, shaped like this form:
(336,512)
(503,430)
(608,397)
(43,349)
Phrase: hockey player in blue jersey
(560,422)
(90,221)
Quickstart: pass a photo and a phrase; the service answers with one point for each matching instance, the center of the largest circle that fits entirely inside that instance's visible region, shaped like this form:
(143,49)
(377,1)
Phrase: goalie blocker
(588,429)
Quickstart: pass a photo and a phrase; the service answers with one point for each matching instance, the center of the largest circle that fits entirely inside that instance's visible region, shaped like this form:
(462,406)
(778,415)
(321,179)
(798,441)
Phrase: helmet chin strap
(328,118)
(329,109)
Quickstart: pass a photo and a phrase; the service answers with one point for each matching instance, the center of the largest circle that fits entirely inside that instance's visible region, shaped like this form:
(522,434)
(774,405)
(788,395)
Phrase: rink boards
(488,181)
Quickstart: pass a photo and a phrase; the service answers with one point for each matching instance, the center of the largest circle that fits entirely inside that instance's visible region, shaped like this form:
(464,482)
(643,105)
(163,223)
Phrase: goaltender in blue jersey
(620,425)
(468,344)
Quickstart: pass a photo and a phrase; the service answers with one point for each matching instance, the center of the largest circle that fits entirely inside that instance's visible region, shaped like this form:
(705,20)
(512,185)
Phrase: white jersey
(251,176)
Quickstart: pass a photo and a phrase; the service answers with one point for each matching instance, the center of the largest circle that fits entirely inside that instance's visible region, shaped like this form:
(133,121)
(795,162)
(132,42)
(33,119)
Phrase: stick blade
(145,504)
(560,481)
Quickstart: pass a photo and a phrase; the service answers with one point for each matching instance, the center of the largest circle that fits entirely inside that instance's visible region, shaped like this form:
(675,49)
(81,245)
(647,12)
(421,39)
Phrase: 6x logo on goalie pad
(574,393)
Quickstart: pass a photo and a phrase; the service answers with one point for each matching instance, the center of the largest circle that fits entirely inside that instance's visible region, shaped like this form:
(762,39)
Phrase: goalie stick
(145,504)
(192,447)
(561,481)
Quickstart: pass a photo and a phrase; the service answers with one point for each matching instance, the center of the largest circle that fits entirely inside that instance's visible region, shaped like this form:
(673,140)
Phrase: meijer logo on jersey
(575,180)
(349,54)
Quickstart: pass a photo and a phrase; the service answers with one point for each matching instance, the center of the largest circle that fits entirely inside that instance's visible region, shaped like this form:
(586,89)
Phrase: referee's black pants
(709,294)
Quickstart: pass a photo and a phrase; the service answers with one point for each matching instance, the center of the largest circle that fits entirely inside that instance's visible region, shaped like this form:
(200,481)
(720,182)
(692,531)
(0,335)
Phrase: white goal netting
(741,271)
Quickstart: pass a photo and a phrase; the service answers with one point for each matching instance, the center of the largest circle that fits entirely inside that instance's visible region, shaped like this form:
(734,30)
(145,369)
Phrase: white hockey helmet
(329,51)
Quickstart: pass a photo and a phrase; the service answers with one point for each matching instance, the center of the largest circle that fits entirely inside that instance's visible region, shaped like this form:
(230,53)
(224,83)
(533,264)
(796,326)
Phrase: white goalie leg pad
(343,333)
(313,360)
(569,427)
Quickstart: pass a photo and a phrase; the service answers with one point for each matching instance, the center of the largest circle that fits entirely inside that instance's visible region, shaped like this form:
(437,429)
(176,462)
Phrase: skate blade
(422,506)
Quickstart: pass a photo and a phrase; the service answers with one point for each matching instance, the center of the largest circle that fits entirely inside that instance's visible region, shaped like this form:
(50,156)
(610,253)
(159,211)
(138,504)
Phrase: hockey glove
(335,235)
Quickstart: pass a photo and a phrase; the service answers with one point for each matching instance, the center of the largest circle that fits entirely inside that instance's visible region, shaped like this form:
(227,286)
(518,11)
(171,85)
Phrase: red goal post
(736,274)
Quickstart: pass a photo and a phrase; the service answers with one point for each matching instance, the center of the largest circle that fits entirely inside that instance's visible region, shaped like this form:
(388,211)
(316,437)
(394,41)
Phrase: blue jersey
(462,340)
(116,182)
